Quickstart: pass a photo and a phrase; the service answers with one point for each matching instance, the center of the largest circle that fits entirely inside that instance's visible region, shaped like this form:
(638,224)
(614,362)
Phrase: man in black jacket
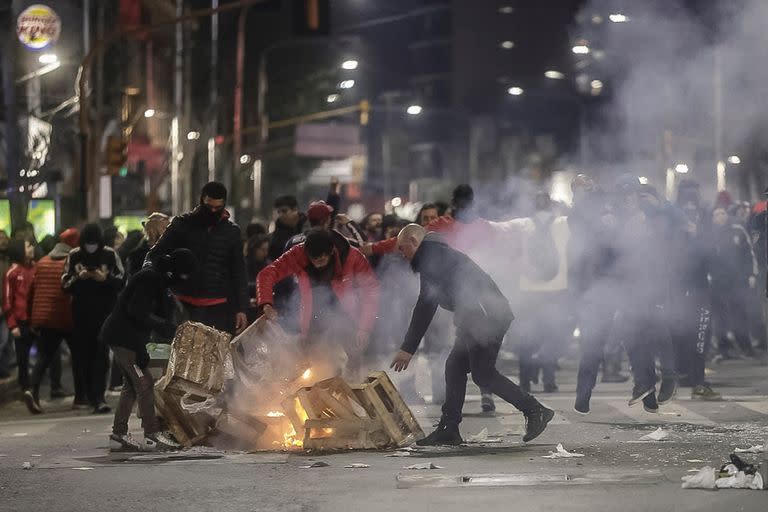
(482,316)
(93,274)
(127,332)
(217,294)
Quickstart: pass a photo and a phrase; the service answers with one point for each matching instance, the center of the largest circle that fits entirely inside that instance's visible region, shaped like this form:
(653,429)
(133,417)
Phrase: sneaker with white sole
(159,442)
(123,443)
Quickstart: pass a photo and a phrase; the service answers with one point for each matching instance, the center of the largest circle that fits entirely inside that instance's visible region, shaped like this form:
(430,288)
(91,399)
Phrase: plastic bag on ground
(740,480)
(561,453)
(656,435)
(423,465)
(703,479)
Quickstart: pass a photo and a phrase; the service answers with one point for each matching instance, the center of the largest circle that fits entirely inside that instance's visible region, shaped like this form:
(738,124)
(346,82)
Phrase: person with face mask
(93,275)
(138,312)
(217,294)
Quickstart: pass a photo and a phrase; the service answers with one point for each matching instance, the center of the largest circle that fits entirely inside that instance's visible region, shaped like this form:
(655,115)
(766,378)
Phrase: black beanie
(318,243)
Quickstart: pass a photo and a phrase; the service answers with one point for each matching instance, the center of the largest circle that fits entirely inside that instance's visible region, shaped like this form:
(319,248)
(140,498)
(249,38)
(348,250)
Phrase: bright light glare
(48,58)
(681,168)
(307,374)
(332,98)
(507,45)
(150,112)
(414,110)
(596,84)
(396,201)
(193,135)
(554,75)
(580,49)
(515,91)
(643,180)
(734,159)
(577,333)
(244,159)
(506,9)
(347,84)
(618,18)
(349,64)
(275,414)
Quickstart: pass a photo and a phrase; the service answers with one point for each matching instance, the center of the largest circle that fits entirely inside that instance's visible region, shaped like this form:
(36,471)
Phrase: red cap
(319,211)
(71,237)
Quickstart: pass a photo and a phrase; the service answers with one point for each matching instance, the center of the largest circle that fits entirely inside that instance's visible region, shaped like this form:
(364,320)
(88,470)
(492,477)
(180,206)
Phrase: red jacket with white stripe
(17,300)
(353,282)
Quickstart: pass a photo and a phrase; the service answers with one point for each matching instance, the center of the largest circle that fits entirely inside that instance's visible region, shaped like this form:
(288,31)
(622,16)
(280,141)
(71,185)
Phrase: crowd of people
(674,284)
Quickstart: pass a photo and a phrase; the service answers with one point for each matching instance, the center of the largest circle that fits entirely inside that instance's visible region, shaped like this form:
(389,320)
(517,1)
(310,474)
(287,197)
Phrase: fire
(275,414)
(307,374)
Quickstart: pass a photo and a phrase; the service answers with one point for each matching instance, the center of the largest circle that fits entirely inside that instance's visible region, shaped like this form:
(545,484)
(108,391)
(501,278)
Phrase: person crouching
(127,331)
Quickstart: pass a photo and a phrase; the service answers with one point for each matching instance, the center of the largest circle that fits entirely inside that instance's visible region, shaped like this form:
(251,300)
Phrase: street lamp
(554,75)
(580,49)
(347,84)
(350,64)
(618,18)
(193,135)
(244,159)
(507,45)
(150,112)
(734,159)
(332,98)
(515,91)
(47,58)
(414,110)
(681,169)
(506,9)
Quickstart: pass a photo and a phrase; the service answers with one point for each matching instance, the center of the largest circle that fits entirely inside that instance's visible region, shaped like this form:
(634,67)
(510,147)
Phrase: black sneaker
(668,390)
(33,405)
(705,393)
(649,403)
(486,402)
(638,395)
(581,406)
(443,435)
(159,442)
(124,443)
(536,422)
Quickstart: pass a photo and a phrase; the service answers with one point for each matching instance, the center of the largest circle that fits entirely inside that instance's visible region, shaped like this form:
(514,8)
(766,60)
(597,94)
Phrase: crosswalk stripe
(761,407)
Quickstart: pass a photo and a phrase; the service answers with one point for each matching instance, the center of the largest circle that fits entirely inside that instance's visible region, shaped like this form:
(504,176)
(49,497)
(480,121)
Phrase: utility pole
(12,150)
(214,125)
(178,67)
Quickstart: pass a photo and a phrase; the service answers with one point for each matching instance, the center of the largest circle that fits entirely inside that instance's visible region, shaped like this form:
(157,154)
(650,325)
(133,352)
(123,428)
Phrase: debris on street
(657,435)
(357,465)
(758,448)
(423,465)
(318,464)
(562,453)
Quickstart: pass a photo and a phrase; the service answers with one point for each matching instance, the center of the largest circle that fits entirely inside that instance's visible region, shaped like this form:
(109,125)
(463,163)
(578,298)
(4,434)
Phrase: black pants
(48,354)
(94,357)
(23,345)
(730,314)
(691,335)
(646,335)
(543,328)
(138,385)
(478,356)
(596,325)
(219,316)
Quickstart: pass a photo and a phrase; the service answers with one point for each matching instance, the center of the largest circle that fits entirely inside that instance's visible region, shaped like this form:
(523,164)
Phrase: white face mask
(91,248)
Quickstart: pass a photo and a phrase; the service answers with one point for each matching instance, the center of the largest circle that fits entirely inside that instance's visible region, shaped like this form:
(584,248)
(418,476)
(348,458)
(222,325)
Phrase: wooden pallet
(188,429)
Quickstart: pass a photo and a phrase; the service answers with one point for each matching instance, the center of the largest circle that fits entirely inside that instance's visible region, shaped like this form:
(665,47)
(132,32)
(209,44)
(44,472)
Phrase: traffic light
(117,155)
(312,17)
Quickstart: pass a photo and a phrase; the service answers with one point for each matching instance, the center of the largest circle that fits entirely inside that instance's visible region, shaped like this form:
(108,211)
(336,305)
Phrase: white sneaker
(159,442)
(124,443)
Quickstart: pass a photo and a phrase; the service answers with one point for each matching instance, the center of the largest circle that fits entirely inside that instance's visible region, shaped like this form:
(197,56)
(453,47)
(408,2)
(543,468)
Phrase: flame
(307,374)
(275,414)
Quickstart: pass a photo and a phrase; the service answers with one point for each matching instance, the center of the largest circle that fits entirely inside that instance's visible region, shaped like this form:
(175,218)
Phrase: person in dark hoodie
(217,294)
(154,227)
(93,275)
(482,316)
(52,318)
(127,331)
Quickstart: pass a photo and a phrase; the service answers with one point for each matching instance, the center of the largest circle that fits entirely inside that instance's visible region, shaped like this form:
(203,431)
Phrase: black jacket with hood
(451,280)
(219,253)
(282,235)
(92,300)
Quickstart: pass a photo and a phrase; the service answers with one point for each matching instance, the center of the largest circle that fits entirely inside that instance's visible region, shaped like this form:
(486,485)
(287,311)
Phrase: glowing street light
(332,98)
(48,58)
(618,18)
(507,45)
(350,64)
(643,180)
(681,169)
(734,159)
(244,159)
(580,49)
(414,110)
(506,9)
(554,75)
(150,112)
(515,91)
(347,84)
(193,135)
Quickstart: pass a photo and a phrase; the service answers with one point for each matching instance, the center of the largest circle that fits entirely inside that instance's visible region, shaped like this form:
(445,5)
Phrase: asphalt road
(72,470)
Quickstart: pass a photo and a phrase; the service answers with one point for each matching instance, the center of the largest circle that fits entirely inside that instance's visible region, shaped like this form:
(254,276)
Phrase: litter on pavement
(656,435)
(26,465)
(357,465)
(318,464)
(561,453)
(84,468)
(484,437)
(758,448)
(398,454)
(423,465)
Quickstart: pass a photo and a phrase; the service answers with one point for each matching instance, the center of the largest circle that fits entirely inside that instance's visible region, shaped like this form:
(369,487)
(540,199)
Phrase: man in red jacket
(52,319)
(18,282)
(339,293)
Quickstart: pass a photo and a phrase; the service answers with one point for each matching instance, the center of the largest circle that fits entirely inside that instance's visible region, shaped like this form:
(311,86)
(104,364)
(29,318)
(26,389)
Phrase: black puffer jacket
(282,234)
(451,280)
(221,266)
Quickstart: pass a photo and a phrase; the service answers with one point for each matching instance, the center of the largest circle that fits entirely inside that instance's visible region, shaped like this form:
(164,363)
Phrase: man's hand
(269,312)
(241,322)
(84,274)
(361,340)
(99,275)
(366,249)
(401,360)
(16,332)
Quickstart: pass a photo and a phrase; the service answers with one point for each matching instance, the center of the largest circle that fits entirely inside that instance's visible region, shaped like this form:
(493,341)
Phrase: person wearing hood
(217,294)
(16,303)
(93,274)
(138,312)
(482,316)
(51,317)
(154,227)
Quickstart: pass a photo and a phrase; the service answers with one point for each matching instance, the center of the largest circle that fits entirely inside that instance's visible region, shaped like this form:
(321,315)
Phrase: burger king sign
(38,27)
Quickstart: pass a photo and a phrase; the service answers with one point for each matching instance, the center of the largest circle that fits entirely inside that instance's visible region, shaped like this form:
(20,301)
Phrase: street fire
(307,374)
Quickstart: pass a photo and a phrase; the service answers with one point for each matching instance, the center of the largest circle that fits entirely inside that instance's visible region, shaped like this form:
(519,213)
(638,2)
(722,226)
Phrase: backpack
(543,256)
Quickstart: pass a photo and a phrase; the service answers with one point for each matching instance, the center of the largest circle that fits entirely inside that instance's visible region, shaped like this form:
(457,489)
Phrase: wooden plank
(401,408)
(336,407)
(305,398)
(383,415)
